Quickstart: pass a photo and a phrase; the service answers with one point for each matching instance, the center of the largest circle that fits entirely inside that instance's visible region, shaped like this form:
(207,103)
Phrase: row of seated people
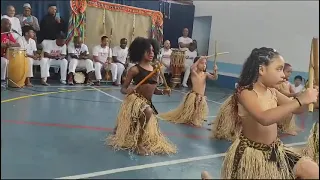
(56,53)
(76,55)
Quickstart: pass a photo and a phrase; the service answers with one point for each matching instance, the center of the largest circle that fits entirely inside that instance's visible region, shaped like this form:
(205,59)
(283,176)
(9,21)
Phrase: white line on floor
(75,86)
(186,93)
(152,165)
(114,97)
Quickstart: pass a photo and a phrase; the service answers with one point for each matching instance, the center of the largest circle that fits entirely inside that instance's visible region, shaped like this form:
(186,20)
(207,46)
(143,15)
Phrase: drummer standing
(184,41)
(7,41)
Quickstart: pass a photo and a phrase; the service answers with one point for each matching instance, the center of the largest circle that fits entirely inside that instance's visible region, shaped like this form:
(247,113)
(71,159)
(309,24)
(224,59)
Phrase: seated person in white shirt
(79,57)
(120,55)
(55,52)
(31,50)
(165,54)
(15,22)
(184,41)
(102,56)
(191,53)
(297,86)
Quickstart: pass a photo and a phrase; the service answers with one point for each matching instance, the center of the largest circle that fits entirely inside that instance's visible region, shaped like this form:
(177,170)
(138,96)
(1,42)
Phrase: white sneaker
(184,85)
(63,82)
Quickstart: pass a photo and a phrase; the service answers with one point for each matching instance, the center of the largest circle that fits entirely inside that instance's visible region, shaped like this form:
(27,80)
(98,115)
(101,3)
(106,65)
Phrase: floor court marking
(182,92)
(153,165)
(50,92)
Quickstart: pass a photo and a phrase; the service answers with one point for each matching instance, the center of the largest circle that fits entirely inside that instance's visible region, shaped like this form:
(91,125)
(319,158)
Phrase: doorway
(201,33)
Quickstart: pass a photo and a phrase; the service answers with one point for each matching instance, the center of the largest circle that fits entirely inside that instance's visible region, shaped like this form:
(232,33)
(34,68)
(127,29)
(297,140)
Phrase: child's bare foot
(142,151)
(205,175)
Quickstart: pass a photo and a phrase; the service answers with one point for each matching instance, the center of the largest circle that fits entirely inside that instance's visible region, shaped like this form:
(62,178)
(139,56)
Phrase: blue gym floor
(58,132)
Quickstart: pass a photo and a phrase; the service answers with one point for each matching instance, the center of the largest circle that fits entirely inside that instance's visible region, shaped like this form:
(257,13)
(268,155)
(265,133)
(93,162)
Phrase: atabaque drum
(177,59)
(18,66)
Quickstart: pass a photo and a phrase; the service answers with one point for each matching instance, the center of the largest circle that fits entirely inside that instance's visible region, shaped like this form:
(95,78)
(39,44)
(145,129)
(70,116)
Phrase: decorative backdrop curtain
(94,19)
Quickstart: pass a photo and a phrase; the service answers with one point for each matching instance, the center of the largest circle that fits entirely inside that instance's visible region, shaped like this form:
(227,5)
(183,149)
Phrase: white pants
(187,65)
(4,64)
(63,64)
(112,66)
(164,68)
(120,69)
(43,67)
(83,63)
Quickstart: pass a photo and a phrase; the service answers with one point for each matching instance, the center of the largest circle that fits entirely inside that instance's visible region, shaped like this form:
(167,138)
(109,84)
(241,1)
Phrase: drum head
(79,77)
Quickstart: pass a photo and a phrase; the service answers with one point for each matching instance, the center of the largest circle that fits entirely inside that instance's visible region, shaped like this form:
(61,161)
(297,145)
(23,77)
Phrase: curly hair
(250,71)
(156,48)
(139,46)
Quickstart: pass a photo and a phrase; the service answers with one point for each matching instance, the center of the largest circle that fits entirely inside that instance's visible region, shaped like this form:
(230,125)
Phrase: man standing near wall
(184,41)
(51,25)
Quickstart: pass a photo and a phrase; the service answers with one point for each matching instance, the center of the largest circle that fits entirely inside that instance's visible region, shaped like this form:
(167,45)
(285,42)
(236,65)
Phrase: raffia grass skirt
(289,125)
(246,159)
(312,148)
(193,110)
(226,126)
(129,127)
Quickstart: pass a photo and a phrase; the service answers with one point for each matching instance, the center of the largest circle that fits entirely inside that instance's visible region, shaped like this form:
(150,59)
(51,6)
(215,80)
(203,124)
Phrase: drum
(79,78)
(177,59)
(17,67)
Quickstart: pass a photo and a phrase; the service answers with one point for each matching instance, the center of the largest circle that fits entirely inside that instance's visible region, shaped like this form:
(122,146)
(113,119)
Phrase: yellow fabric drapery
(102,18)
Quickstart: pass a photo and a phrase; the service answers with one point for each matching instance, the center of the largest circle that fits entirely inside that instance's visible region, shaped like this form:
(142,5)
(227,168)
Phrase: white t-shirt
(165,54)
(298,88)
(190,56)
(184,40)
(15,23)
(120,53)
(102,53)
(29,45)
(77,51)
(53,49)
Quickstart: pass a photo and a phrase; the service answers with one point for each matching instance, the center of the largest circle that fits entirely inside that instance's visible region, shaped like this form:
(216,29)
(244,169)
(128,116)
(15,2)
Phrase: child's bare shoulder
(247,94)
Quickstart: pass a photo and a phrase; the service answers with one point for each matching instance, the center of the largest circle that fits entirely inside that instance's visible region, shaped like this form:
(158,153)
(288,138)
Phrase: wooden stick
(163,77)
(147,77)
(316,60)
(311,75)
(218,54)
(215,53)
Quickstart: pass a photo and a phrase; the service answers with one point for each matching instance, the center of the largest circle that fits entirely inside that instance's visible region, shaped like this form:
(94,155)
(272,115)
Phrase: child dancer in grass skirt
(288,125)
(194,109)
(312,149)
(227,124)
(137,127)
(258,153)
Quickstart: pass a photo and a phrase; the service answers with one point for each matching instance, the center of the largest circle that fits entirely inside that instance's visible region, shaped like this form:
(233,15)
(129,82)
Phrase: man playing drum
(31,51)
(7,41)
(79,55)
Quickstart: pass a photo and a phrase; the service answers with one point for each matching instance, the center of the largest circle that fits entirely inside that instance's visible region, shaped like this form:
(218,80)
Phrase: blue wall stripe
(236,69)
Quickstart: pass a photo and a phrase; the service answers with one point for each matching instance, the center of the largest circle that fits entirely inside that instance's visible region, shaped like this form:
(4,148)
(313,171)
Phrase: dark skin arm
(72,55)
(84,55)
(47,55)
(132,72)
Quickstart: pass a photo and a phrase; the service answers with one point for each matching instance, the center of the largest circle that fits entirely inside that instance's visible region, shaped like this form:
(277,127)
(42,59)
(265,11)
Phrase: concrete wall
(240,26)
